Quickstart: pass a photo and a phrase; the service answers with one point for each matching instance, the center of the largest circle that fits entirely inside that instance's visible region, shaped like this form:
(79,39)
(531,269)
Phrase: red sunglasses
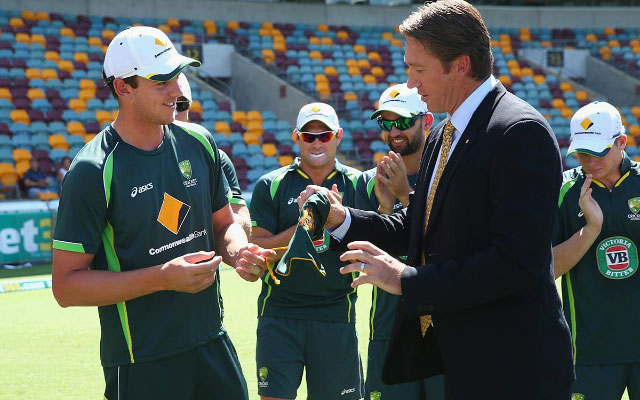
(309,137)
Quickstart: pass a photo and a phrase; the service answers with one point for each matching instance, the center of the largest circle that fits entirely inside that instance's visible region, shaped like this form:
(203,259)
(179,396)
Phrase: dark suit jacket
(499,331)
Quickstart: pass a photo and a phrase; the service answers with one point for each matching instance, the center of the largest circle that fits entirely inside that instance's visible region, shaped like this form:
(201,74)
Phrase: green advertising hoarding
(25,236)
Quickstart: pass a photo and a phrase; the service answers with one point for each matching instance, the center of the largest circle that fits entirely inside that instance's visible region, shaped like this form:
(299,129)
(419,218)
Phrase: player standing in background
(308,321)
(238,205)
(143,206)
(404,120)
(596,238)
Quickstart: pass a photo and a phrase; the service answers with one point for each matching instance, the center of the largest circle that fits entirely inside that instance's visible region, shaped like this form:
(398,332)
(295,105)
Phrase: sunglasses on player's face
(182,105)
(309,137)
(402,123)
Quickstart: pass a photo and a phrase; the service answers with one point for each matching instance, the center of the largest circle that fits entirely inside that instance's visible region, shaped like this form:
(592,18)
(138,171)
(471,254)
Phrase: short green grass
(47,352)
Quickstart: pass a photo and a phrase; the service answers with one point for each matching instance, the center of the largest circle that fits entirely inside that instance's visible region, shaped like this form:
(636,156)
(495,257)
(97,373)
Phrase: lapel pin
(466,141)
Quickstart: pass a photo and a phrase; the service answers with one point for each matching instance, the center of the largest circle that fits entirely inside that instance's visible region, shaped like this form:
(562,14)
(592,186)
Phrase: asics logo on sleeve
(580,214)
(292,200)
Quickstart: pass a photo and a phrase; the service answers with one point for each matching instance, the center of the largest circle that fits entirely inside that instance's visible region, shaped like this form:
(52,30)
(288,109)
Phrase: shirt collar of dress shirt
(461,117)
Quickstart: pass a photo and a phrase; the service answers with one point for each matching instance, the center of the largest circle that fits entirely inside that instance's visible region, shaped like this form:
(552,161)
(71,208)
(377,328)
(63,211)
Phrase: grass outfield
(48,352)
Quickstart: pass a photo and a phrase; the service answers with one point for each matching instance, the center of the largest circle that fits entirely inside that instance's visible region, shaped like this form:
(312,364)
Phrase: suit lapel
(471,134)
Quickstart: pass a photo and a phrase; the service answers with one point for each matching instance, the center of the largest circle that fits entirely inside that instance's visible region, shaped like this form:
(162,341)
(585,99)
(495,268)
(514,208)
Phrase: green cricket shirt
(383,304)
(232,178)
(304,292)
(602,292)
(135,209)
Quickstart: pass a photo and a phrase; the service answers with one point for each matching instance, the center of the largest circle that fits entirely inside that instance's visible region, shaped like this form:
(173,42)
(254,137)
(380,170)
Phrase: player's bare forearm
(229,241)
(568,253)
(242,216)
(268,240)
(75,285)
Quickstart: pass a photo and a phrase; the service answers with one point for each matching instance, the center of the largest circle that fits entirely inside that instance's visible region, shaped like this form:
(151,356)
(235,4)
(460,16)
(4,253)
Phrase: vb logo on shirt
(617,257)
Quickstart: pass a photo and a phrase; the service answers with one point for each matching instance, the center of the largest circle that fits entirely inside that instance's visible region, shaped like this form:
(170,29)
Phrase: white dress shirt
(460,119)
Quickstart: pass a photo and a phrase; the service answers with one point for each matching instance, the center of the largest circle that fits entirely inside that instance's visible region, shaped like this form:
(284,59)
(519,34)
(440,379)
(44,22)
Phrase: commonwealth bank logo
(185,168)
(160,43)
(172,213)
(586,124)
(315,109)
(394,94)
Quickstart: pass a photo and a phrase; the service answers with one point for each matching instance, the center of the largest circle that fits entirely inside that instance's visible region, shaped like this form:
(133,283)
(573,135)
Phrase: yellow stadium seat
(103,116)
(81,57)
(16,22)
(591,37)
(546,44)
(635,110)
(566,87)
(505,79)
(330,70)
(42,16)
(609,31)
(21,155)
(558,103)
(108,34)
(268,56)
(35,94)
(354,71)
(65,65)
(165,28)
(87,84)
(66,31)
(252,137)
(351,63)
(173,22)
(358,48)
(527,71)
(23,38)
(362,63)
(196,106)
(342,35)
(233,25)
(326,41)
(269,150)
(5,93)
(377,72)
(38,38)
(634,130)
(513,64)
(267,25)
(566,113)
(254,115)
(240,117)
(374,56)
(47,195)
(321,78)
(222,127)
(539,79)
(315,55)
(95,41)
(188,38)
(279,46)
(350,96)
(323,28)
(322,87)
(33,73)
(516,72)
(387,35)
(28,15)
(631,141)
(22,166)
(114,114)
(314,40)
(264,32)
(581,95)
(211,29)
(86,94)
(285,160)
(20,116)
(52,55)
(77,105)
(58,142)
(9,178)
(377,157)
(88,137)
(75,128)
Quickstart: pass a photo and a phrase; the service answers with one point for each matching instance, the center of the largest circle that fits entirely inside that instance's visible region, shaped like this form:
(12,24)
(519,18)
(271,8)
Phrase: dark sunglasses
(309,137)
(182,105)
(402,123)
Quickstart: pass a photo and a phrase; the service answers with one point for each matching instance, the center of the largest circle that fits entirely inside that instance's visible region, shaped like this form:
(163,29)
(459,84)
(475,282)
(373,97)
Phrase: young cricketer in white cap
(142,207)
(596,237)
(308,320)
(238,205)
(405,122)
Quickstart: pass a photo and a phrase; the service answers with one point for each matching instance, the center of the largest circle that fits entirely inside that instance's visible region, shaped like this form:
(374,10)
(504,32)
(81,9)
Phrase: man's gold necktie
(447,139)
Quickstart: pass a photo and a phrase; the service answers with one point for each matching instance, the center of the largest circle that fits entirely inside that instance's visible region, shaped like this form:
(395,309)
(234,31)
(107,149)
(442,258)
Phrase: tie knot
(449,128)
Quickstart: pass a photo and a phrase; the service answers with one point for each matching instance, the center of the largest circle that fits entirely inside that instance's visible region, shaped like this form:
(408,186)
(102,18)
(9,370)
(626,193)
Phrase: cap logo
(394,94)
(160,43)
(315,109)
(586,124)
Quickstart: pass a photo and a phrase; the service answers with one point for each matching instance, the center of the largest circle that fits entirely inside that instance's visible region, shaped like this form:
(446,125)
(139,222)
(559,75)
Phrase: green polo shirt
(602,292)
(134,209)
(383,304)
(304,293)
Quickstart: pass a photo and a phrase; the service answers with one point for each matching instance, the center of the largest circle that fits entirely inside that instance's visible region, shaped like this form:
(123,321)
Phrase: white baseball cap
(401,100)
(185,88)
(146,52)
(318,112)
(594,129)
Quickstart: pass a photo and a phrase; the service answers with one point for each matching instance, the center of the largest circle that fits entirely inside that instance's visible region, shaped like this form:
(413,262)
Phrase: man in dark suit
(478,295)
